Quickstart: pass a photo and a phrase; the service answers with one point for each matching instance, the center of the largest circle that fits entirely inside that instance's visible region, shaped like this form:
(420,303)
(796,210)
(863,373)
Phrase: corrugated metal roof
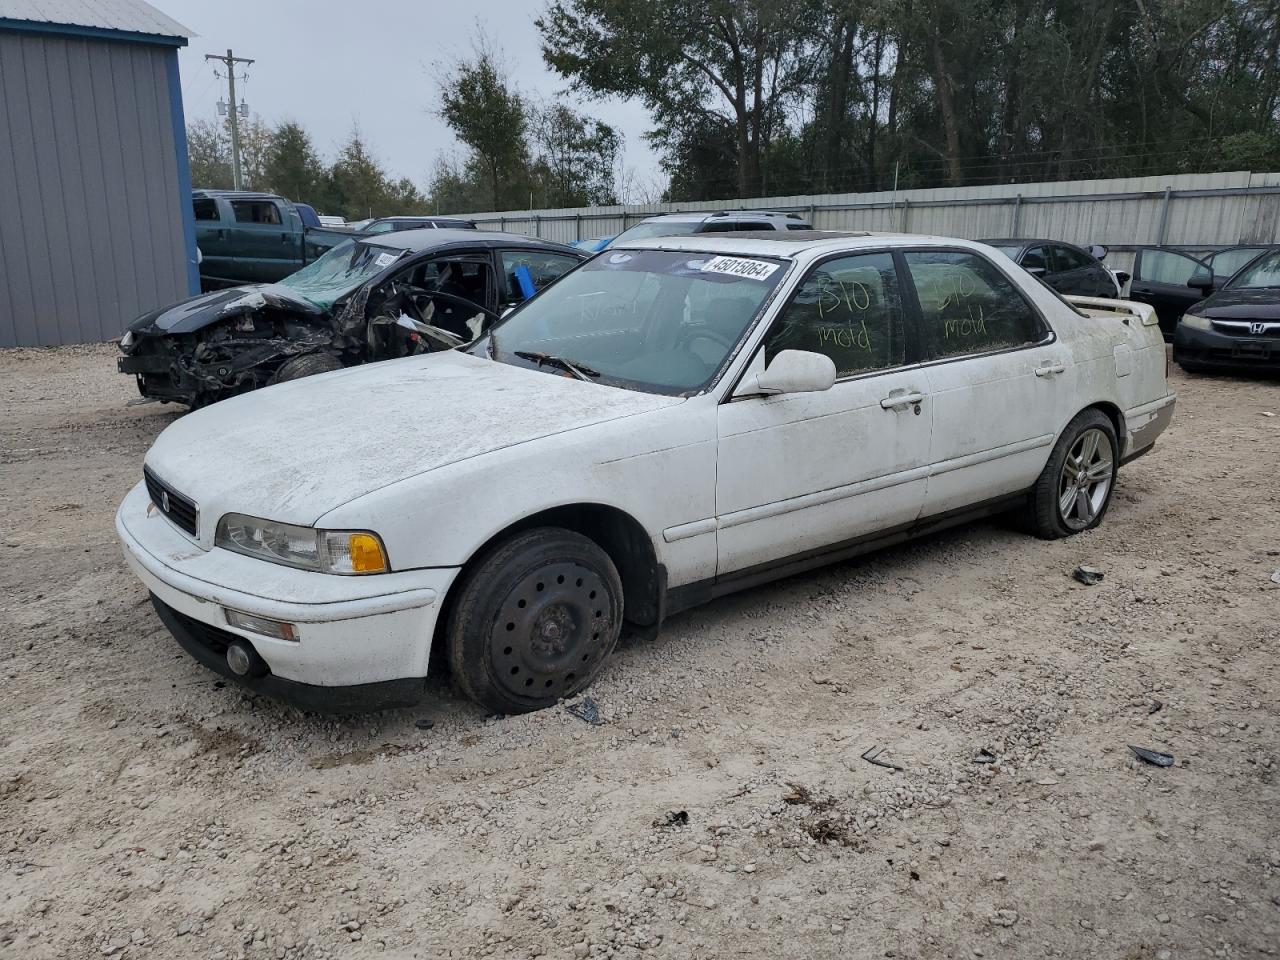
(132,16)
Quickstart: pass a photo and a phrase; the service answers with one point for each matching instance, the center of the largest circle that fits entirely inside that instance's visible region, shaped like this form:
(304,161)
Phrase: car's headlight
(1196,322)
(327,551)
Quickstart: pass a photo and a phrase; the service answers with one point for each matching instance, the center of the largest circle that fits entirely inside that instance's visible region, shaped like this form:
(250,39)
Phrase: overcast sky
(374,63)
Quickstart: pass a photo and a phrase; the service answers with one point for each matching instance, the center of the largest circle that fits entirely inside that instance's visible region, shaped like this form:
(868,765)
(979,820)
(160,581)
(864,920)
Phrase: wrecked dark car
(367,299)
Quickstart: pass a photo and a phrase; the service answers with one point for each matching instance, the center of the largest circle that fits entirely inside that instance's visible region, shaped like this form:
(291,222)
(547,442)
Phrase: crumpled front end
(219,345)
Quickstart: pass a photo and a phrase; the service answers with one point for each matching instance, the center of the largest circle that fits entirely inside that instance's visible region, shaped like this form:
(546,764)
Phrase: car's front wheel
(1075,487)
(534,620)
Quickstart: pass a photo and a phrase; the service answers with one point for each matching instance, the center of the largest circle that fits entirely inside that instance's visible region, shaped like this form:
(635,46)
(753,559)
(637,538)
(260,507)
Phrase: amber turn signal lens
(366,554)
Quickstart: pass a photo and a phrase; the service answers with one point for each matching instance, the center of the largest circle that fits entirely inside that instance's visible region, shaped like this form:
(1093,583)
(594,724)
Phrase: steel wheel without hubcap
(535,619)
(1087,474)
(550,631)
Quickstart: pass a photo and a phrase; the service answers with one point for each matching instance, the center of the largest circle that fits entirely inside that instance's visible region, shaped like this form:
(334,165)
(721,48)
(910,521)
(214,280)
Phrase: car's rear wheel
(1074,489)
(534,621)
(306,365)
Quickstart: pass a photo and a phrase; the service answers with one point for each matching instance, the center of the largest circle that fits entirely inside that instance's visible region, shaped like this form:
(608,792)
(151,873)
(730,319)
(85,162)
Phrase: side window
(851,310)
(206,209)
(543,268)
(798,226)
(1037,258)
(1071,259)
(968,306)
(1165,266)
(256,211)
(1224,263)
(744,225)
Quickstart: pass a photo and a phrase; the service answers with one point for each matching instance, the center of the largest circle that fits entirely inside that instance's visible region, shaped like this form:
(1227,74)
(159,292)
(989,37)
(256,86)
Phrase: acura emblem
(1257,328)
(164,500)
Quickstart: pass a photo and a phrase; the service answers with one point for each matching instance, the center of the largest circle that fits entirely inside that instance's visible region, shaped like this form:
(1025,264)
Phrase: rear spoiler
(1103,306)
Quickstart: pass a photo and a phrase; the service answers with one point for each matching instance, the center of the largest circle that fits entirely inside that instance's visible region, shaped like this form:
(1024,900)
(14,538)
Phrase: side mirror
(792,371)
(1098,251)
(1036,271)
(1201,281)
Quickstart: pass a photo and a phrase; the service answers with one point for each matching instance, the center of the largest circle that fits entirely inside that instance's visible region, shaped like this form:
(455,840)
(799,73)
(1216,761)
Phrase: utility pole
(230,61)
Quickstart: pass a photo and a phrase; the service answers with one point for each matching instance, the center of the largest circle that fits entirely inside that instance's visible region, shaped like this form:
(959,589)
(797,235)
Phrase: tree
(692,60)
(490,117)
(293,168)
(576,159)
(209,152)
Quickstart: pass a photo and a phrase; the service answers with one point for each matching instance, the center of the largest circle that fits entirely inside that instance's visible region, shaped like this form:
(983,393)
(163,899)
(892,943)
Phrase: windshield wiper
(577,369)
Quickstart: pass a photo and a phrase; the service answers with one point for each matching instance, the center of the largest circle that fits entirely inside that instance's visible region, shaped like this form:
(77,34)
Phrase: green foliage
(283,160)
(753,97)
(487,114)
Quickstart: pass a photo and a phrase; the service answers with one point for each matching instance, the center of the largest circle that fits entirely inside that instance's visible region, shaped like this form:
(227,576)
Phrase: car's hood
(197,312)
(1242,304)
(295,451)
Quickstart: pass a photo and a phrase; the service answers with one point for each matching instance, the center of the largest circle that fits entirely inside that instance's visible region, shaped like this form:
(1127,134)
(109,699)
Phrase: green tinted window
(969,306)
(849,309)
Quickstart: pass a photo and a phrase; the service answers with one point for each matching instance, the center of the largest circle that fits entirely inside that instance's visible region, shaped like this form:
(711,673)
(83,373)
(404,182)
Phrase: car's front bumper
(1213,348)
(353,631)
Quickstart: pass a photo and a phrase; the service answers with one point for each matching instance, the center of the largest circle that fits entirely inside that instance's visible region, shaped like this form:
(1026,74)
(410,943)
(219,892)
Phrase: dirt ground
(723,808)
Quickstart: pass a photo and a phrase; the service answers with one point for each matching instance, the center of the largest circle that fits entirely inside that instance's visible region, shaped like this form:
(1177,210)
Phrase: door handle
(897,400)
(1051,370)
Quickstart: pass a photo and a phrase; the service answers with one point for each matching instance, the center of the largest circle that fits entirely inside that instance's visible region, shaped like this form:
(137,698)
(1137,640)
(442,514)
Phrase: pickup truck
(256,237)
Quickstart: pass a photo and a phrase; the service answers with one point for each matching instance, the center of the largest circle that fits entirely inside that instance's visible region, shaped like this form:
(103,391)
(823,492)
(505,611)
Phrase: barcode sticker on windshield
(740,267)
(385,259)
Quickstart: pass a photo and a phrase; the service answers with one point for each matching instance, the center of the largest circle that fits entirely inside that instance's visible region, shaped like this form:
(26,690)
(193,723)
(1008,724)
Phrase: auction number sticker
(385,259)
(740,267)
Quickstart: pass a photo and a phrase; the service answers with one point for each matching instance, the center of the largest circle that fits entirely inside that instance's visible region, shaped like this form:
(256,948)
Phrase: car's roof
(431,217)
(772,243)
(417,241)
(1024,242)
(234,194)
(700,216)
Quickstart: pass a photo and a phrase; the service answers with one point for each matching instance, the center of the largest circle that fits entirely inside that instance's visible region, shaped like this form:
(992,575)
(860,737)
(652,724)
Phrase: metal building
(95,190)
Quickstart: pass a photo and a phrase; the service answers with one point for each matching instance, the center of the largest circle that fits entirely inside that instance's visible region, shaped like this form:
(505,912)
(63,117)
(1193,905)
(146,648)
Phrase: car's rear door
(1160,279)
(803,473)
(998,380)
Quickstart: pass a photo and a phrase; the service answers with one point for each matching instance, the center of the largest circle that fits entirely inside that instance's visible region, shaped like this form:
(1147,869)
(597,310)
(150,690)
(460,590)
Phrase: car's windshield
(1263,272)
(340,271)
(658,321)
(657,228)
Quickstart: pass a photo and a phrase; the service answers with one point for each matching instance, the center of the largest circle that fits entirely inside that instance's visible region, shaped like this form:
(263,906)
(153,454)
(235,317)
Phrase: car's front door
(1080,274)
(804,472)
(998,382)
(266,240)
(1160,279)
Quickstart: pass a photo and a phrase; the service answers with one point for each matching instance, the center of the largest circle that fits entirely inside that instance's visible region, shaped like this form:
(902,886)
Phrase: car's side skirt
(703,591)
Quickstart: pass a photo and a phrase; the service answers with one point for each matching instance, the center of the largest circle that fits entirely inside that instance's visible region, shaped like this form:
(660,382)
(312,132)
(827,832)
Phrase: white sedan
(674,420)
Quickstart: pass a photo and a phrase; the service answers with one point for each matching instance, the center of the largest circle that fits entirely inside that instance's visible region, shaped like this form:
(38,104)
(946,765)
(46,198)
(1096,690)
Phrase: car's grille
(1248,328)
(181,511)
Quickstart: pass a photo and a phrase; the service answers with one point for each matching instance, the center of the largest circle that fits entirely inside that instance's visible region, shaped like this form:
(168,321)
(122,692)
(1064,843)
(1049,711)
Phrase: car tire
(1074,490)
(306,365)
(534,621)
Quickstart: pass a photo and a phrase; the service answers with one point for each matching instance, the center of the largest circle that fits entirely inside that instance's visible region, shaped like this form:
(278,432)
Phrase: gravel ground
(722,808)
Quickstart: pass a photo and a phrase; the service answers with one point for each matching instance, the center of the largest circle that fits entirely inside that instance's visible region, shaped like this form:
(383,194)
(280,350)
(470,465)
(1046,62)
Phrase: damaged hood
(297,450)
(198,312)
(1243,303)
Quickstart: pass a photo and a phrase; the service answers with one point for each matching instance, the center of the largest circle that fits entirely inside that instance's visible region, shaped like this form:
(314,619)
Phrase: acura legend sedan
(676,419)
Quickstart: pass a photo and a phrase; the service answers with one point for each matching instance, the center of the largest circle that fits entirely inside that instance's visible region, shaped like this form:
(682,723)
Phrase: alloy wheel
(1087,475)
